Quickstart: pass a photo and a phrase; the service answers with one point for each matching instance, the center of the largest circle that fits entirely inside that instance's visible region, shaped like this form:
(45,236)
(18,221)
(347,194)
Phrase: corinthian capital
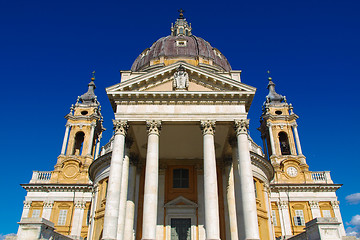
(120,127)
(207,127)
(153,126)
(241,126)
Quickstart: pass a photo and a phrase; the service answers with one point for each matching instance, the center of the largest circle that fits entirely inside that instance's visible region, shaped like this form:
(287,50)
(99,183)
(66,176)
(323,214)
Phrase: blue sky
(49,48)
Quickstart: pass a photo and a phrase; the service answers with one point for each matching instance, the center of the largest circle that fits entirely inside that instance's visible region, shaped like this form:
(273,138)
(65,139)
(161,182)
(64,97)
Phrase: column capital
(68,125)
(153,127)
(80,204)
(282,204)
(335,204)
(120,127)
(241,126)
(207,127)
(48,204)
(27,204)
(314,204)
(294,125)
(269,124)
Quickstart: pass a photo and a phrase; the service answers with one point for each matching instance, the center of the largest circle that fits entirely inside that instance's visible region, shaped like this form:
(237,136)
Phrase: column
(66,136)
(47,207)
(297,139)
(268,209)
(113,193)
(272,143)
(315,209)
(264,144)
(77,219)
(336,208)
(91,139)
(284,218)
(124,190)
(230,197)
(26,209)
(129,231)
(92,211)
(98,146)
(246,186)
(210,182)
(151,181)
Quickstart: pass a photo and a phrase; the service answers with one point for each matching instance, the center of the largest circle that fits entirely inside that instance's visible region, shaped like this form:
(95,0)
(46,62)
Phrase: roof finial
(181,15)
(93,76)
(269,78)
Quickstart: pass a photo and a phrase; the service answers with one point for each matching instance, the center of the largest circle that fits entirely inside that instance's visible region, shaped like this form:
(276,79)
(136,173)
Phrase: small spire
(93,76)
(181,15)
(273,97)
(89,97)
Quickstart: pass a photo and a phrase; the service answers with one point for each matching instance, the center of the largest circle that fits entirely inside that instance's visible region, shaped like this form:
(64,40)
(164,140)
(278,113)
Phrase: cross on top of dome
(181,26)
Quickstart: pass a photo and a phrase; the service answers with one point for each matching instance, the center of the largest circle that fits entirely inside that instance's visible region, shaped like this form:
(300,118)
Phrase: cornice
(263,164)
(310,187)
(280,117)
(50,187)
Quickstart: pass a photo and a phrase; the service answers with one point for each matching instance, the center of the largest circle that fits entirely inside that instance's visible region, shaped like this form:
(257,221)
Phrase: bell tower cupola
(279,133)
(181,26)
(82,137)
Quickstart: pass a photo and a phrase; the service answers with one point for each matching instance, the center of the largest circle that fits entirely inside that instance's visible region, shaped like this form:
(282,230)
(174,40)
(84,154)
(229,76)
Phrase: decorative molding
(310,187)
(207,127)
(314,204)
(153,127)
(241,126)
(57,187)
(120,127)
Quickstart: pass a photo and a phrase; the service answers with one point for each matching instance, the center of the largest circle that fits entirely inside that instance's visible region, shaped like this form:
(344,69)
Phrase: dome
(181,45)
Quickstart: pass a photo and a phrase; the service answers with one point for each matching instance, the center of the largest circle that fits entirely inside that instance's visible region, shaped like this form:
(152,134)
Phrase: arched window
(284,143)
(79,140)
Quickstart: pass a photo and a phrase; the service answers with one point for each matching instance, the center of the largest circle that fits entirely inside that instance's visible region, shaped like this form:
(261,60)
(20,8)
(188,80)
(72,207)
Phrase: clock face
(292,171)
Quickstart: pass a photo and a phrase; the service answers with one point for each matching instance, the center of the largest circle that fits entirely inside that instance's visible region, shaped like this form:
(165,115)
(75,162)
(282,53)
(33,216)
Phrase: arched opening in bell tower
(284,143)
(78,145)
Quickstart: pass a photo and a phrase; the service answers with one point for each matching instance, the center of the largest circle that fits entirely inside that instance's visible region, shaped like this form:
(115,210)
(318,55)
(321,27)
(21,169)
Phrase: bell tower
(81,140)
(281,140)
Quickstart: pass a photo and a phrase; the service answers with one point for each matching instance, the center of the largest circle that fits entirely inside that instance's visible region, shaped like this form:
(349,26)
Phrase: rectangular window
(36,213)
(88,217)
(256,195)
(273,215)
(181,178)
(62,217)
(326,213)
(299,218)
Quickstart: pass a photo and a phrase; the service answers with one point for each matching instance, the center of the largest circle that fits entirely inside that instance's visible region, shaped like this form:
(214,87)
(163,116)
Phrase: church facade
(181,163)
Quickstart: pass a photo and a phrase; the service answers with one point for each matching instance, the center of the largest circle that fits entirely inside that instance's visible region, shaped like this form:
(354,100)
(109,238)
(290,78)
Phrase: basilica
(181,163)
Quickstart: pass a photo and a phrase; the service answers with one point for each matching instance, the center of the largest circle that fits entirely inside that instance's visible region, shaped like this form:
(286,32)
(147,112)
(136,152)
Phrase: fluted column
(91,139)
(151,181)
(272,143)
(264,144)
(250,222)
(78,219)
(230,197)
(66,136)
(129,233)
(113,193)
(124,190)
(336,208)
(210,182)
(284,218)
(297,139)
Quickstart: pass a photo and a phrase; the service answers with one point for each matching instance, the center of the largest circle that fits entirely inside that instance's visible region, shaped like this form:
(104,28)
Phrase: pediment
(181,202)
(161,80)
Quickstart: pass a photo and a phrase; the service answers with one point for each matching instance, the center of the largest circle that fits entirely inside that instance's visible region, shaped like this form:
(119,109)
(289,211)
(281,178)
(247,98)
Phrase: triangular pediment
(161,80)
(180,202)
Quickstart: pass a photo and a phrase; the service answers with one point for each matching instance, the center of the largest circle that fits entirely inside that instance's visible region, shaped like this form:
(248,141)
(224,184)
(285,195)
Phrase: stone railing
(321,177)
(107,147)
(41,177)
